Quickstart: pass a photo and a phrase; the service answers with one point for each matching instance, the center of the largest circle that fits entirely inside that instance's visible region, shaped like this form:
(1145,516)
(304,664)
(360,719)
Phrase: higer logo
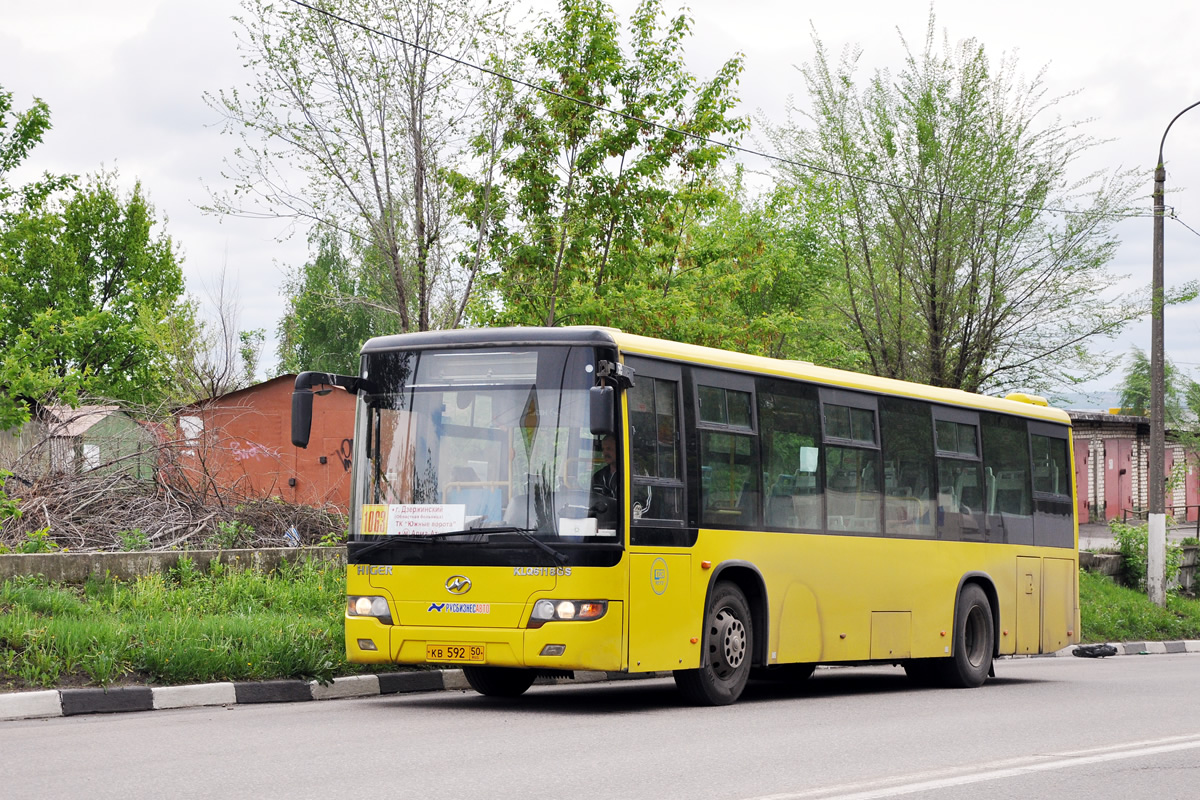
(458,584)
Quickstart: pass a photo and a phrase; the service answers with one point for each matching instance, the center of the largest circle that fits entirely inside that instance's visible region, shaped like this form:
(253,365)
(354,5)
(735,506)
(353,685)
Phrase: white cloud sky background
(125,82)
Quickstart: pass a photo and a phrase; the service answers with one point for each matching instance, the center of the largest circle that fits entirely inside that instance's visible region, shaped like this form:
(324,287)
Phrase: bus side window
(790,433)
(906,427)
(1006,460)
(1052,503)
(654,450)
(730,490)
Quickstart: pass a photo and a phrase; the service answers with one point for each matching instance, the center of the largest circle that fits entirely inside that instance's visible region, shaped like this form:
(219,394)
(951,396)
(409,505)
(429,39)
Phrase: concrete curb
(69,702)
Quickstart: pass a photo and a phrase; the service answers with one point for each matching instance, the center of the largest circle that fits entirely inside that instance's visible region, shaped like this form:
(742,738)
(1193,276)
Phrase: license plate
(456,653)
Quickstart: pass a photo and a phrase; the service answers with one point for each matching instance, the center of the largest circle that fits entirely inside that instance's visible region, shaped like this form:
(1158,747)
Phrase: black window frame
(673,372)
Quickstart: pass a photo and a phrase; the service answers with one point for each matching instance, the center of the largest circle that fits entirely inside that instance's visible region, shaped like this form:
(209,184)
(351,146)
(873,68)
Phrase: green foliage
(1112,613)
(372,126)
(38,541)
(321,329)
(951,271)
(231,624)
(230,535)
(133,540)
(20,132)
(589,213)
(10,507)
(1180,392)
(85,285)
(334,539)
(1132,543)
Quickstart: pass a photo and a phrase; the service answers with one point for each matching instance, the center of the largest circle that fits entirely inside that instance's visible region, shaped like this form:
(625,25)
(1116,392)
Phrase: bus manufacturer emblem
(458,584)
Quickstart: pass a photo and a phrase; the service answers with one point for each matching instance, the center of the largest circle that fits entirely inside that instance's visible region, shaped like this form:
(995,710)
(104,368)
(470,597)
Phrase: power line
(696,137)
(1184,224)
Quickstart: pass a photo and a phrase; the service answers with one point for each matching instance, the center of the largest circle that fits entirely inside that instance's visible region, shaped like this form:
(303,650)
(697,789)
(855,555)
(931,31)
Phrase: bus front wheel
(499,681)
(974,641)
(728,644)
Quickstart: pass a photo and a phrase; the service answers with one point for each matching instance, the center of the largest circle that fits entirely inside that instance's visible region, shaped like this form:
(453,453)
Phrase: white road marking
(993,771)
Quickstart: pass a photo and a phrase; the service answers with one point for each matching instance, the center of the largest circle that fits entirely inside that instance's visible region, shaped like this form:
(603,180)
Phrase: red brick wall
(245,449)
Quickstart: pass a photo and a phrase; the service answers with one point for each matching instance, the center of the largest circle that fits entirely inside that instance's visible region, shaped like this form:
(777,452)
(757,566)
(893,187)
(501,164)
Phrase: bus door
(661,611)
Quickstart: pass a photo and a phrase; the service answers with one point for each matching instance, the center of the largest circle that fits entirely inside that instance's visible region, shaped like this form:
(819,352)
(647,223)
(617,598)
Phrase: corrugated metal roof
(69,421)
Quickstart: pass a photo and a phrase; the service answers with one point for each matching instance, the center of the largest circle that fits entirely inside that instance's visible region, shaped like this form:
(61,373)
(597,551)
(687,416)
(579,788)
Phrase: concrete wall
(76,567)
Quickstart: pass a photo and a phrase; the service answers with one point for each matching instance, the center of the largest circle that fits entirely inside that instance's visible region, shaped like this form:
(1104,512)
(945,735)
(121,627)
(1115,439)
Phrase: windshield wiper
(524,533)
(527,535)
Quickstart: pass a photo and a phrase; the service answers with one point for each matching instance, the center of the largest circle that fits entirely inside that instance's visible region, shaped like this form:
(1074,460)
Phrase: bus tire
(728,643)
(499,681)
(974,641)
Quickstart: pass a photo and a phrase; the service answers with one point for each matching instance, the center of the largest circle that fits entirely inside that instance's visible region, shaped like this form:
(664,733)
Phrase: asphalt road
(1056,727)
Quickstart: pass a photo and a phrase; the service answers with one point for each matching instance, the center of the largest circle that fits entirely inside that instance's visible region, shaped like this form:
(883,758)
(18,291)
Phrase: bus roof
(628,343)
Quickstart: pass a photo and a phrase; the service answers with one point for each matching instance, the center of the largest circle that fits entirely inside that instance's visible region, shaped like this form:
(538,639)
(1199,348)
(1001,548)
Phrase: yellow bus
(544,500)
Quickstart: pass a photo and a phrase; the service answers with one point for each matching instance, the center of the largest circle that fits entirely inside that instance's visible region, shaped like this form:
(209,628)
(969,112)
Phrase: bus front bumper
(584,645)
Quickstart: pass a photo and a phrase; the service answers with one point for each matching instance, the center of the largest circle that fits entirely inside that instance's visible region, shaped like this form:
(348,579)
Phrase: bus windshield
(467,441)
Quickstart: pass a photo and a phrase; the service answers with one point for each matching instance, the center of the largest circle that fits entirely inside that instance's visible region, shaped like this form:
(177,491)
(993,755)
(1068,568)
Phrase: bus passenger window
(1053,508)
(731,478)
(961,488)
(906,427)
(1009,507)
(790,432)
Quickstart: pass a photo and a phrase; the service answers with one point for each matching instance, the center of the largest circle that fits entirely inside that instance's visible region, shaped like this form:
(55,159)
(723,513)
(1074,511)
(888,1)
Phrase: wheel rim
(975,644)
(729,643)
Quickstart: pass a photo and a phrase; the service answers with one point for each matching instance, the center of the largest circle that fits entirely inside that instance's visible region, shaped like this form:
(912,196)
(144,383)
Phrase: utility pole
(1156,520)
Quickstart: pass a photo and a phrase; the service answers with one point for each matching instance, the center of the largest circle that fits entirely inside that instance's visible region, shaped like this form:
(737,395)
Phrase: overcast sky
(125,81)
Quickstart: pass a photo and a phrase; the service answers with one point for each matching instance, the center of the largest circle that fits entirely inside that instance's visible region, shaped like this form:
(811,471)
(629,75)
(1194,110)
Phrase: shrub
(1133,543)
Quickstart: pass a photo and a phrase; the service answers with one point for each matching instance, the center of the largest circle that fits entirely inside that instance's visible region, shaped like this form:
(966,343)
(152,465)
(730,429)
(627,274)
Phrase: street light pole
(1156,521)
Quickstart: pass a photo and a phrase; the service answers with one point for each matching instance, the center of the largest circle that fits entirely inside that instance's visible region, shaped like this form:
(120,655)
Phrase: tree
(588,201)
(209,353)
(371,125)
(968,256)
(20,132)
(1181,396)
(318,331)
(747,277)
(86,285)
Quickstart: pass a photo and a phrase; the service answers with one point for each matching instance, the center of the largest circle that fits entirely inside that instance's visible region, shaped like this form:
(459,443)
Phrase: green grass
(229,624)
(236,624)
(1112,613)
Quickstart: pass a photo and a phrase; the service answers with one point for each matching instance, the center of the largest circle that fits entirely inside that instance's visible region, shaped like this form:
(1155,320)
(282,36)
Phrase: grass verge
(1112,613)
(234,624)
(229,624)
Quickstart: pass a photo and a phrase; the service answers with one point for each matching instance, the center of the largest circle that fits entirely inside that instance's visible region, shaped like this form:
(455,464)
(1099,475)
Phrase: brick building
(239,445)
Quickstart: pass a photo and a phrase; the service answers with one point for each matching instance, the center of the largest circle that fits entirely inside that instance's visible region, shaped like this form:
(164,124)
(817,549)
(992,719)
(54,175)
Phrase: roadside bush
(1132,543)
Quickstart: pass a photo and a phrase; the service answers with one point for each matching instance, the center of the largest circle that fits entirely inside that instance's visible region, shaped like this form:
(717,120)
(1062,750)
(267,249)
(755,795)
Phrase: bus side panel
(1029,604)
(661,613)
(799,628)
(1059,582)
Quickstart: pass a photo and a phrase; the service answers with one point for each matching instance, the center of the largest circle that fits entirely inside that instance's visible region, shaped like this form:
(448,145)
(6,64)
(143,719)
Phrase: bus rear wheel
(728,644)
(974,641)
(499,681)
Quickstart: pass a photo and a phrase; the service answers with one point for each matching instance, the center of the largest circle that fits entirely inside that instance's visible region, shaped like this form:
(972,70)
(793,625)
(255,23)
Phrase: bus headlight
(359,606)
(560,610)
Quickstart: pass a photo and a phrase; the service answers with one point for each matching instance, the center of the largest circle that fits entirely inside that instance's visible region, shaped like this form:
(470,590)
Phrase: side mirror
(603,405)
(302,406)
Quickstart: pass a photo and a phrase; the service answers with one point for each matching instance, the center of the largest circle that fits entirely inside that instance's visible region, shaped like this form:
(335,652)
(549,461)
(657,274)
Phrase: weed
(133,540)
(230,535)
(38,541)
